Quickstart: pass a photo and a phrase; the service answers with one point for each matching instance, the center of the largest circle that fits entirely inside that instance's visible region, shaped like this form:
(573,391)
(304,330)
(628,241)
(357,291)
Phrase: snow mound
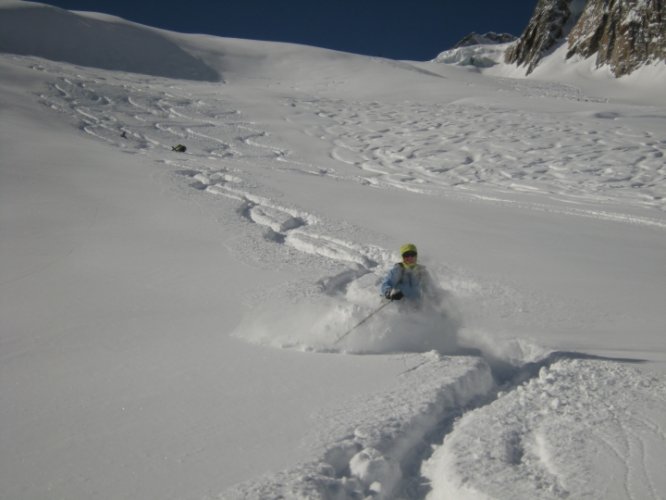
(96,41)
(572,431)
(368,449)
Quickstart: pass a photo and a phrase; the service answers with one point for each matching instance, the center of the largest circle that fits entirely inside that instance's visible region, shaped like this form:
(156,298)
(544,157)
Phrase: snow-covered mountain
(207,324)
(624,35)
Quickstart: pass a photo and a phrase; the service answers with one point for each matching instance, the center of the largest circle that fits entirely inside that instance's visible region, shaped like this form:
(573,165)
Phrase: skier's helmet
(407,248)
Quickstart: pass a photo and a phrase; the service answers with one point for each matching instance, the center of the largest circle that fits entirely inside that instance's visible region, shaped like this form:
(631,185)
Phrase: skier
(407,279)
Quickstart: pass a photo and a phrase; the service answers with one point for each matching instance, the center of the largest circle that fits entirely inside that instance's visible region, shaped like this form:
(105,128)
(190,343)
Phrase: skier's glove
(394,295)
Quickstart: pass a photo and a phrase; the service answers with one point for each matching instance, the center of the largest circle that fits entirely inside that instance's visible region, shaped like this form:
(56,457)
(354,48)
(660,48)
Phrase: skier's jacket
(415,283)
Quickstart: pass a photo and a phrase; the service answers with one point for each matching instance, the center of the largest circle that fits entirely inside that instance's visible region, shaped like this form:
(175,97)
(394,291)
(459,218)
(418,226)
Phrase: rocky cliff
(623,34)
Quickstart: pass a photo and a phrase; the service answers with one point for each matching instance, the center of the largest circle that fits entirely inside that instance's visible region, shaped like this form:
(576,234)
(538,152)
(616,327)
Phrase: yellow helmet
(407,247)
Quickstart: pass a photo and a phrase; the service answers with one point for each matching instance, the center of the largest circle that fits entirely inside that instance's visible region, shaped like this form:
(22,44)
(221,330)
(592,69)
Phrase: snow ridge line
(379,457)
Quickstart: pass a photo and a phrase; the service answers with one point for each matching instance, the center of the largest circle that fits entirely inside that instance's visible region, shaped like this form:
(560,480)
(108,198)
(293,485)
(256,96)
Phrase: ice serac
(481,51)
(622,34)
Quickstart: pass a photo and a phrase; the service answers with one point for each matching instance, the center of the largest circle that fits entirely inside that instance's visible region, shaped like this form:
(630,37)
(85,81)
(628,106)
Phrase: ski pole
(362,321)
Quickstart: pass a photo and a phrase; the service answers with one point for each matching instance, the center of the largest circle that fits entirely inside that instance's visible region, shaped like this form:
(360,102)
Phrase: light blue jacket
(414,283)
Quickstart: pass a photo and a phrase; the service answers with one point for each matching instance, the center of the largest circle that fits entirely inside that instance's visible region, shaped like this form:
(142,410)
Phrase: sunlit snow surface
(193,316)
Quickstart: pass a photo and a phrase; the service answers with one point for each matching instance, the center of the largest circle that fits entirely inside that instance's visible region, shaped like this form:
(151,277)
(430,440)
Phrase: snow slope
(174,325)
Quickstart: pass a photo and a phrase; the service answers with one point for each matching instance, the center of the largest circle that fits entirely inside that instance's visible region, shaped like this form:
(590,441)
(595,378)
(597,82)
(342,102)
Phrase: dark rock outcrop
(623,34)
(545,29)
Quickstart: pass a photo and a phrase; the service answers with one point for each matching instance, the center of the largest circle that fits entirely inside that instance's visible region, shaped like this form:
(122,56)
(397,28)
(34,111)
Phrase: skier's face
(409,257)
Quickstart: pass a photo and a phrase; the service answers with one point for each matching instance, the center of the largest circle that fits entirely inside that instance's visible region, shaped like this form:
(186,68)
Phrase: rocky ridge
(624,34)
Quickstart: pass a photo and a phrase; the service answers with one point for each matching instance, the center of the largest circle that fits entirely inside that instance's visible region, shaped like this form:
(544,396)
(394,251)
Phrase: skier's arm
(389,281)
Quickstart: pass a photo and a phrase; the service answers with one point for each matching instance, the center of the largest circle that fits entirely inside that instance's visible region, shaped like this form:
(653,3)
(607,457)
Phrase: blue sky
(406,29)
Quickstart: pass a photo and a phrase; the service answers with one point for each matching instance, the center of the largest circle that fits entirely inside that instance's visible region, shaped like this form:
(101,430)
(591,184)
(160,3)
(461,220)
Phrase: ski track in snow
(371,456)
(540,439)
(425,148)
(431,150)
(106,110)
